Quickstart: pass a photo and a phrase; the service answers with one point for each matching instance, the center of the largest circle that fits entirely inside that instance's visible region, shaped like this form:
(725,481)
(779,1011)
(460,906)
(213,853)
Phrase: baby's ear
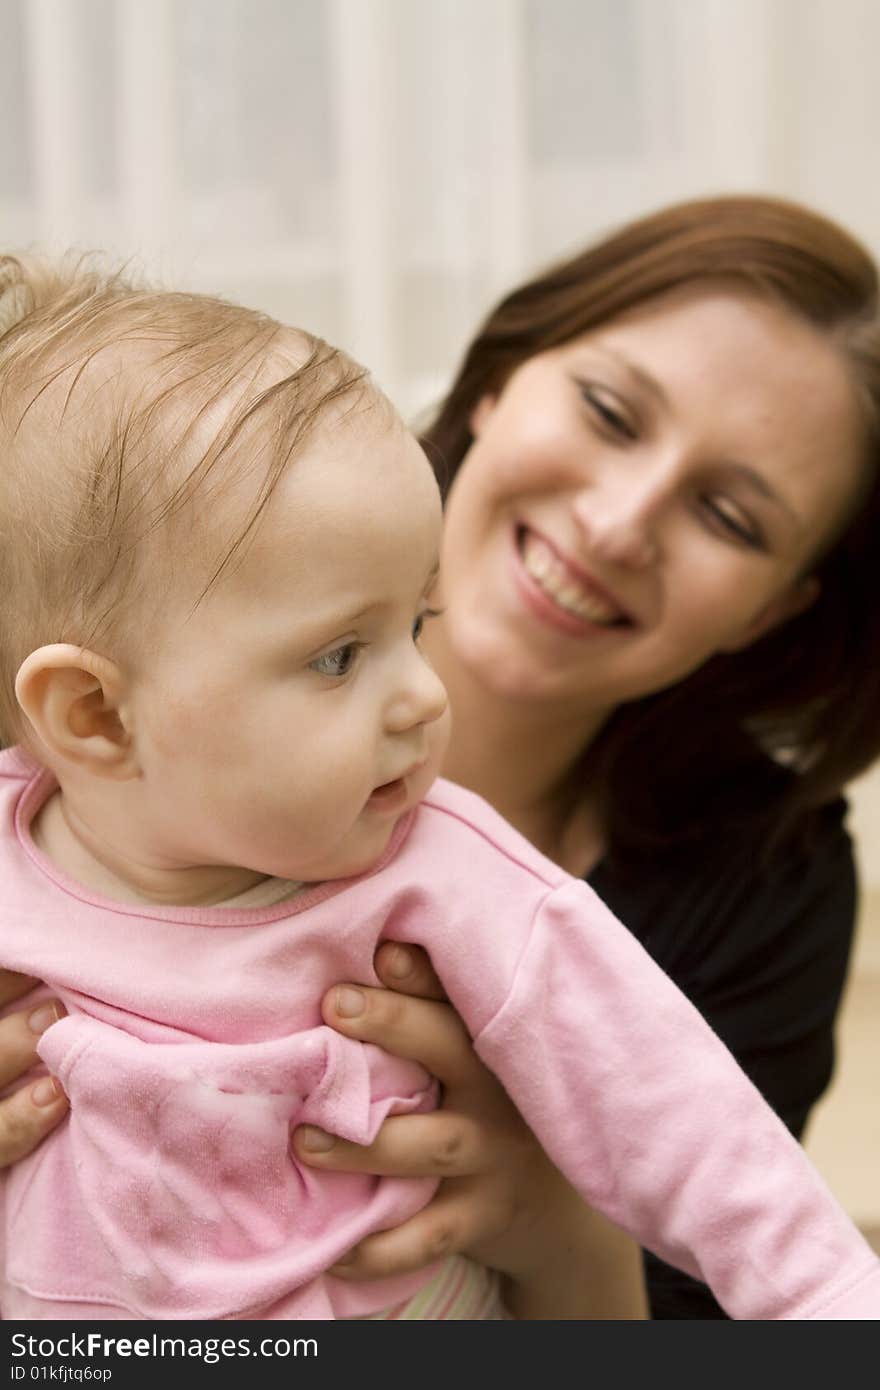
(75,703)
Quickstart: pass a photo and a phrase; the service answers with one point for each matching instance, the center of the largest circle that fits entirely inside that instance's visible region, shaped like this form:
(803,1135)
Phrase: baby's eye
(420,621)
(336,663)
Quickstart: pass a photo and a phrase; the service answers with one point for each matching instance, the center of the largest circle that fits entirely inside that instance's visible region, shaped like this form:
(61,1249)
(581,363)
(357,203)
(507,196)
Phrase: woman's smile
(558,591)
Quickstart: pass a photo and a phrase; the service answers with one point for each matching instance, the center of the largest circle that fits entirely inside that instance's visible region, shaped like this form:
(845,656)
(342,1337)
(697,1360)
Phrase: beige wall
(844,1135)
(865,825)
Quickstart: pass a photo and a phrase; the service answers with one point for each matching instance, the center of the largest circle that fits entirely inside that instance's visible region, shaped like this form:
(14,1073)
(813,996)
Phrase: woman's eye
(608,415)
(733,522)
(336,663)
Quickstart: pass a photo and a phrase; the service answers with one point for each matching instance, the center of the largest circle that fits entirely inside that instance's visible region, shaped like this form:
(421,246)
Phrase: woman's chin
(500,670)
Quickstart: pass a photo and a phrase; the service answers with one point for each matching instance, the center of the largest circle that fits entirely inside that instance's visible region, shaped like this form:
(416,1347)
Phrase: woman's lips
(556,593)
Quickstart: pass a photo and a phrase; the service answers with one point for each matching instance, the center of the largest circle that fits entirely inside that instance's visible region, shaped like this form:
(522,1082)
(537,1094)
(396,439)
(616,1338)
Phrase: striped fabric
(461,1290)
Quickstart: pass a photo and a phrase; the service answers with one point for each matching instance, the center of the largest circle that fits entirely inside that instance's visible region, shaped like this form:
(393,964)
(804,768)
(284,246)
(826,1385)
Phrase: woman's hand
(500,1201)
(26,1116)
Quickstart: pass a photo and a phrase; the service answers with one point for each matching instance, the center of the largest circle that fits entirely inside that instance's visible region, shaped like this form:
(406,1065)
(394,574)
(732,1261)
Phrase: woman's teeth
(556,580)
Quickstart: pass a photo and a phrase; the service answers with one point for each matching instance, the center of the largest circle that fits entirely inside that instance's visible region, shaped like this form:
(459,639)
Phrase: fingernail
(43,1017)
(317,1141)
(349,1002)
(45,1092)
(401,963)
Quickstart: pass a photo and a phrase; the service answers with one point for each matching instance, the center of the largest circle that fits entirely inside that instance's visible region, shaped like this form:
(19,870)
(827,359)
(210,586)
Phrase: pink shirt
(194,1042)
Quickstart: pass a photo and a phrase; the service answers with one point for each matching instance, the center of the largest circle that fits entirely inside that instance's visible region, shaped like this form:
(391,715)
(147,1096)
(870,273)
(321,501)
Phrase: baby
(218,549)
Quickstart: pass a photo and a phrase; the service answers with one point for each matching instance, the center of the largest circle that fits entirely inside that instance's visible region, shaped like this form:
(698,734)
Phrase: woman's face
(645,496)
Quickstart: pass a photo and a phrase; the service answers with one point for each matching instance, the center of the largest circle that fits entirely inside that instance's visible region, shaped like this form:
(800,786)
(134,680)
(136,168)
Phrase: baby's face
(291,719)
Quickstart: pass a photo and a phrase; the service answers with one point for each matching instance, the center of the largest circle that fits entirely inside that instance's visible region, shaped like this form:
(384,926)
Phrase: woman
(659,635)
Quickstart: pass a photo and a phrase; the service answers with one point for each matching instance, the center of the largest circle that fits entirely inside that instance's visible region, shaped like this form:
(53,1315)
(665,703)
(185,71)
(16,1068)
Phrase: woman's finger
(407,969)
(13,986)
(19,1035)
(438,1145)
(27,1117)
(423,1030)
(442,1228)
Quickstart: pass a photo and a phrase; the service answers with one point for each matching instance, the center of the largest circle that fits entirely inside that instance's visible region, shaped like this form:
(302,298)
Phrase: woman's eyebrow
(642,377)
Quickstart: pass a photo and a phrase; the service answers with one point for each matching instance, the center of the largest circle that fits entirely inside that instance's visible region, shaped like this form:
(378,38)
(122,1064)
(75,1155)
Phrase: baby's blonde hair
(108,394)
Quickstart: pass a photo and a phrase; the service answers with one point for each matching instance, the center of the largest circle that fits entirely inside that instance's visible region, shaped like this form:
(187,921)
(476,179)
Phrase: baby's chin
(348,861)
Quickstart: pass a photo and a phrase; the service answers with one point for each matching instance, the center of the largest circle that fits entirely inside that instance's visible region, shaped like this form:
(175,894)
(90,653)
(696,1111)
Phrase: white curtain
(380,170)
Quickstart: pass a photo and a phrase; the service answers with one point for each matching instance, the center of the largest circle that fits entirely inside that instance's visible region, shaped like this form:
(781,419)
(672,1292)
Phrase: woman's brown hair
(808,693)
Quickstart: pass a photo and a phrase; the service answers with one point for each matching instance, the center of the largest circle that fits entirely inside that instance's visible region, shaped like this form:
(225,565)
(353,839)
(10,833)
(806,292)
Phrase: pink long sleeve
(648,1115)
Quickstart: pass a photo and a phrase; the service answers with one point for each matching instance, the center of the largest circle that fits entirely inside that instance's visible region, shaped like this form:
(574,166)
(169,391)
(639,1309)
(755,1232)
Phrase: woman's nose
(419,698)
(619,520)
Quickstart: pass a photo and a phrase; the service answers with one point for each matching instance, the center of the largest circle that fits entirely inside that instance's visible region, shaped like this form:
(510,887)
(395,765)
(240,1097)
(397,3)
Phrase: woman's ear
(74,701)
(802,594)
(480,414)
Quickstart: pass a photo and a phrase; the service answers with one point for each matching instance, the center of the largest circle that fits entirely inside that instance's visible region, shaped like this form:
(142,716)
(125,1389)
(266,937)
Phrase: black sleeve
(763,954)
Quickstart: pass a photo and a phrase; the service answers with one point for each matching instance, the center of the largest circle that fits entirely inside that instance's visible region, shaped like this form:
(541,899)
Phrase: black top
(762,952)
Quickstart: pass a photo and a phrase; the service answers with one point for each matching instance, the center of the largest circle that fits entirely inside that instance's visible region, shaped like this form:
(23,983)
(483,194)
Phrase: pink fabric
(194,1041)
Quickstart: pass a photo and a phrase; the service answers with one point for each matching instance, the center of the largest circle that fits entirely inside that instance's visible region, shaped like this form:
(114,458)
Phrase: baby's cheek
(181,727)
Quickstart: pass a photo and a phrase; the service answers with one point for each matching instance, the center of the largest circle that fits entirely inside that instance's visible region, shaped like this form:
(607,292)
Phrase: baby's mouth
(389,796)
(566,589)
